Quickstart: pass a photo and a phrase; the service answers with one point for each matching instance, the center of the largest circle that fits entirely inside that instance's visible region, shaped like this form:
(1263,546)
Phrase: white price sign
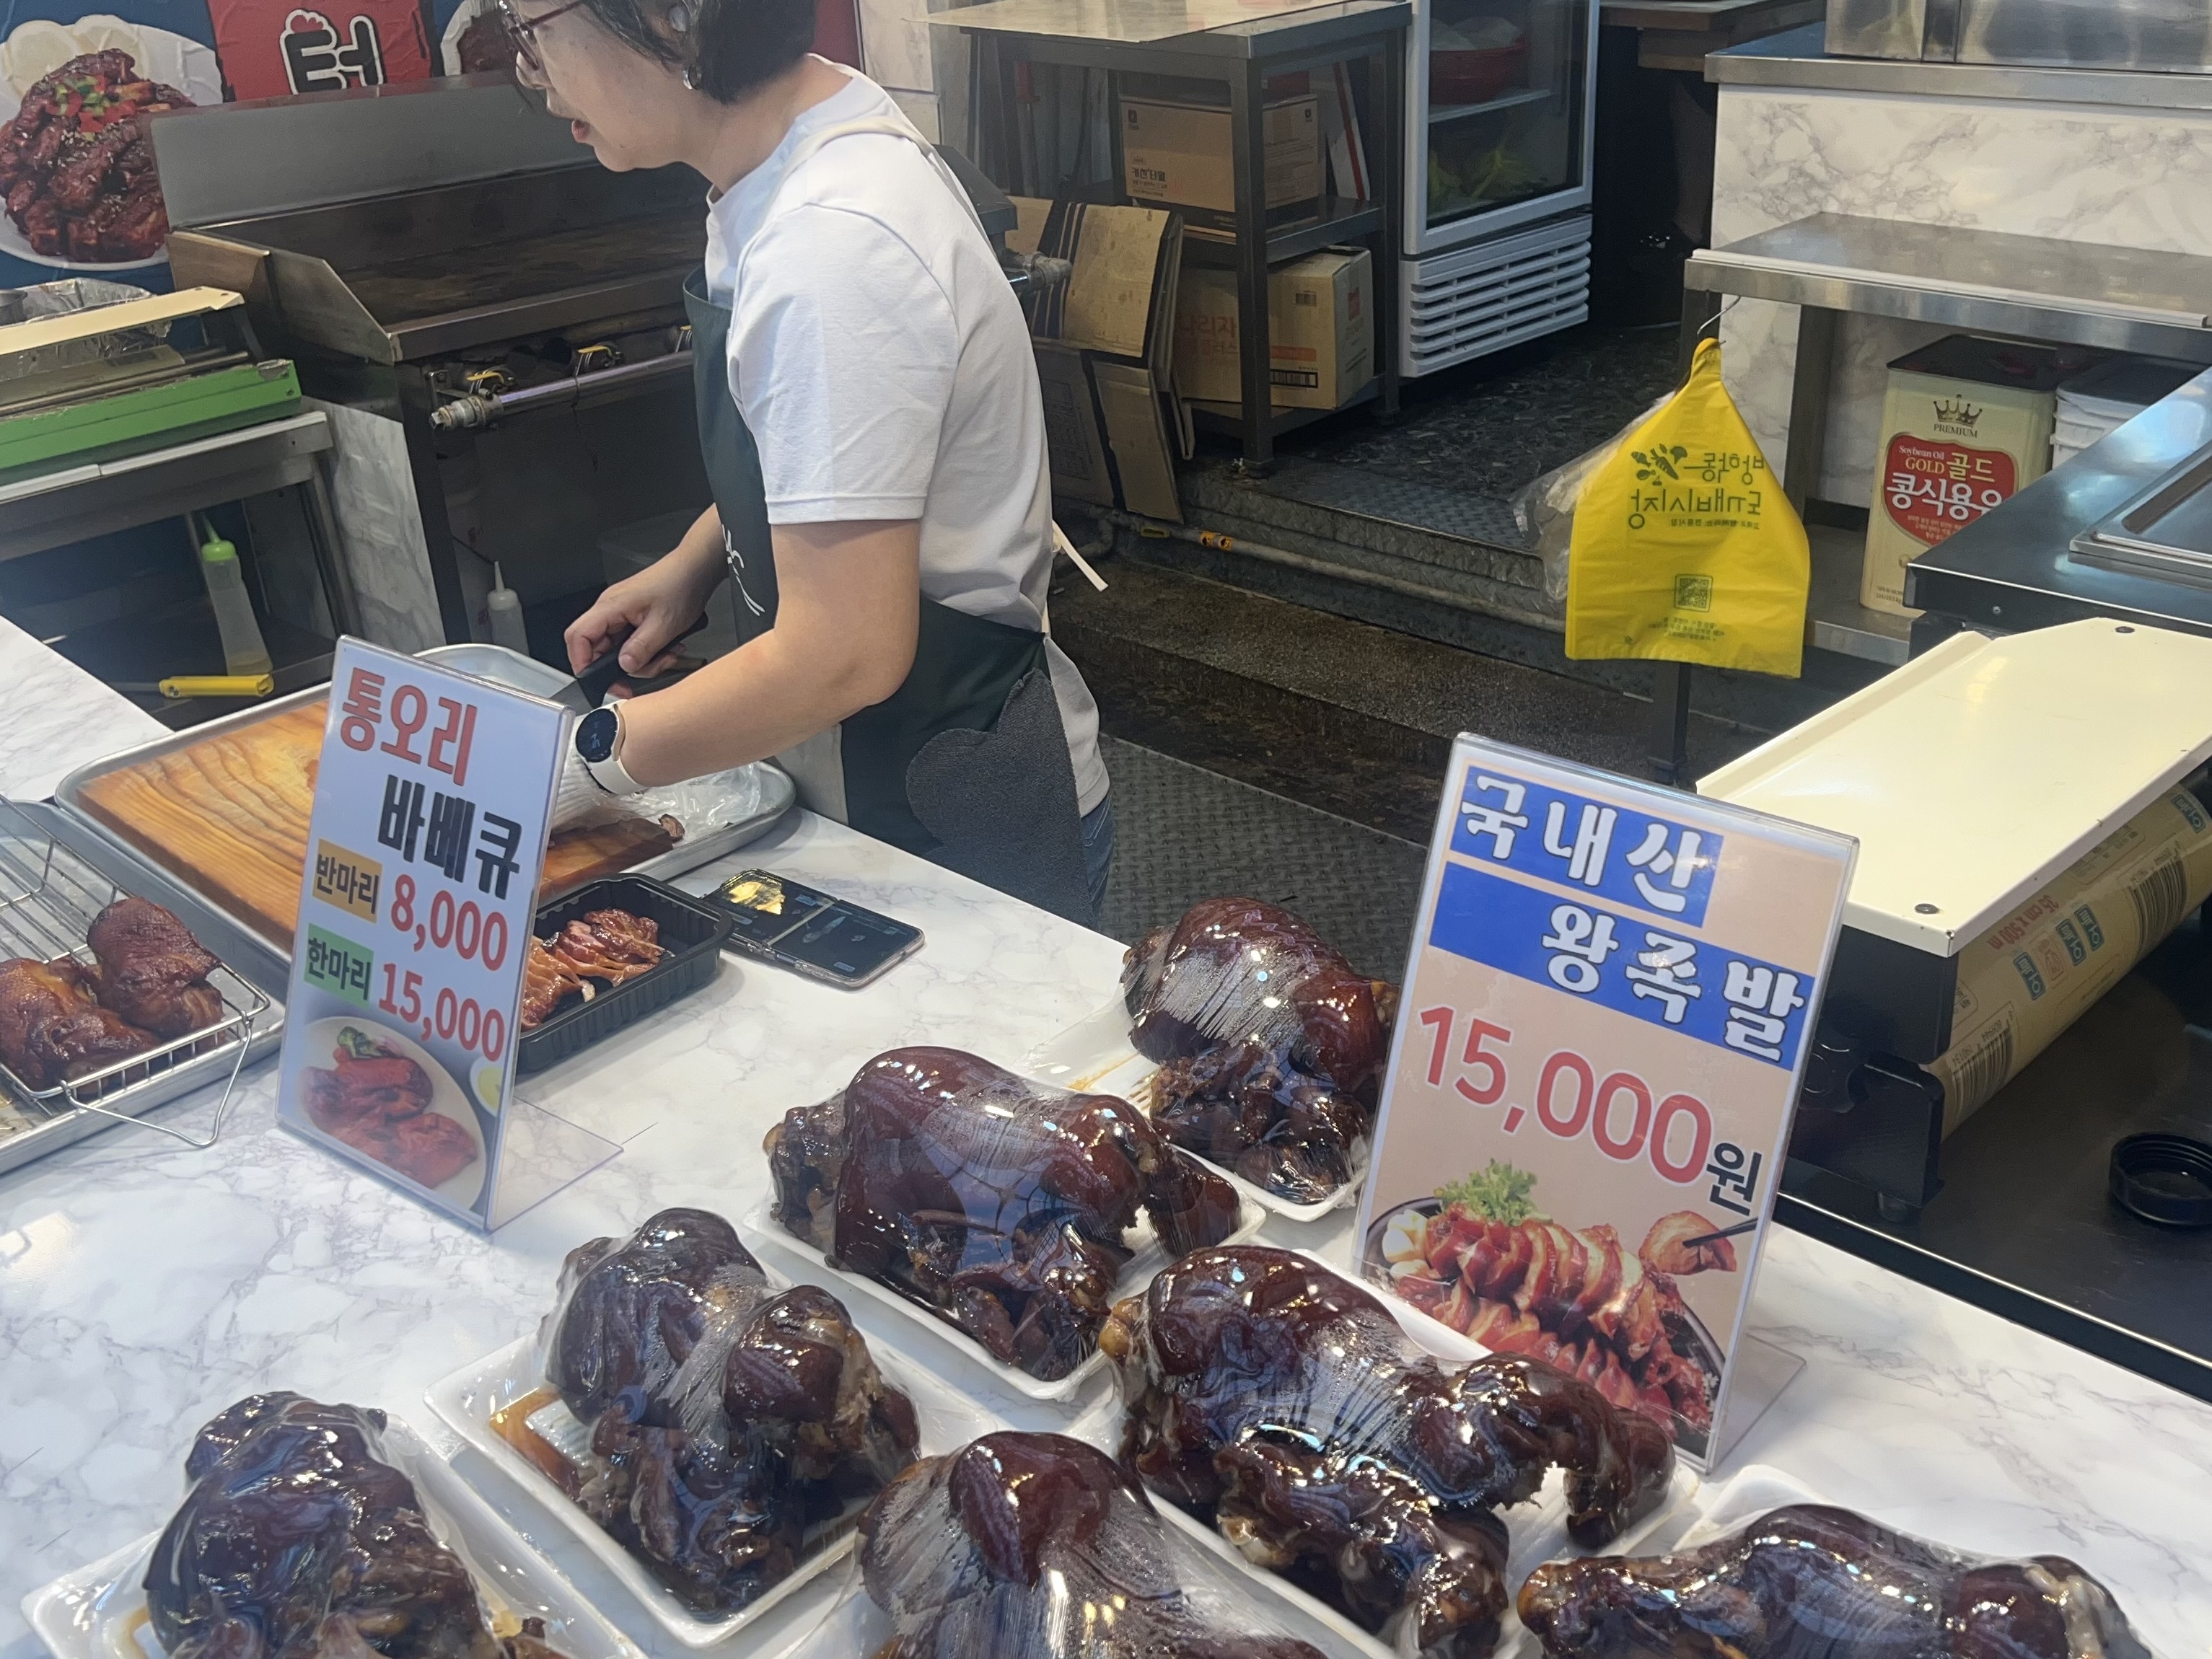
(432,805)
(1605,1016)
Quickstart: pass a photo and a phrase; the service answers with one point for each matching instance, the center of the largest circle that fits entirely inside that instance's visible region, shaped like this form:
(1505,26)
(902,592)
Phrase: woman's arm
(848,603)
(641,614)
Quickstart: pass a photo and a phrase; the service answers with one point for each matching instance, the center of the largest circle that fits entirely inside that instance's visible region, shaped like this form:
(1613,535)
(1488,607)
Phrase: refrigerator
(1500,107)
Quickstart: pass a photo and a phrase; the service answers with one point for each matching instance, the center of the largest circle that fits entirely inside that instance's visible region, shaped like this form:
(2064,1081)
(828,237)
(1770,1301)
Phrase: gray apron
(966,764)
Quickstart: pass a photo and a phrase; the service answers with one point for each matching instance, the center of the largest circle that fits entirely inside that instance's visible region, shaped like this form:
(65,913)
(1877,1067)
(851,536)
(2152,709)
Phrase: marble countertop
(58,718)
(143,1287)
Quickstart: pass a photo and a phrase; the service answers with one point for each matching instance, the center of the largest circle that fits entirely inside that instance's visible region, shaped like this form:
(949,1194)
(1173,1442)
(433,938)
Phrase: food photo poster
(78,194)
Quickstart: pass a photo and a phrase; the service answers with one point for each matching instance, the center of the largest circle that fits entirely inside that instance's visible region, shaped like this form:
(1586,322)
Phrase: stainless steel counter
(1797,58)
(2016,567)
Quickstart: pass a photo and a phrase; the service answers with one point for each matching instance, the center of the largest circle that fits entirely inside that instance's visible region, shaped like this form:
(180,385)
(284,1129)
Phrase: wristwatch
(598,745)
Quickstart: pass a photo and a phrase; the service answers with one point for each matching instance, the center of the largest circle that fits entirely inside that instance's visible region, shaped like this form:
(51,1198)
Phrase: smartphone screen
(768,906)
(808,930)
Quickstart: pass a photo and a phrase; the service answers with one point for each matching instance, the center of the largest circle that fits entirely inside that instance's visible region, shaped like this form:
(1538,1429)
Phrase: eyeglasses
(523,31)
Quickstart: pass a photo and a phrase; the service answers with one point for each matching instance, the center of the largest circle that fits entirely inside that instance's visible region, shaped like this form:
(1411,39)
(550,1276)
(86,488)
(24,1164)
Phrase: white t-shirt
(882,364)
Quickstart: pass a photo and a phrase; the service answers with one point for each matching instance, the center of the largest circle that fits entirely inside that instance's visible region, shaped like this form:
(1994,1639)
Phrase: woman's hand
(643,616)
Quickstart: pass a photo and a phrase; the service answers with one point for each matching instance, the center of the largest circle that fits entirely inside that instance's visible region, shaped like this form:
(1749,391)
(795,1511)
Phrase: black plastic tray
(691,932)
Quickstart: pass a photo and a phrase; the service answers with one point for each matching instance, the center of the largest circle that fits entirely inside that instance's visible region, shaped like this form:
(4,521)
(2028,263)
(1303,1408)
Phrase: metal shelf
(1342,218)
(1510,100)
(1226,418)
(1835,620)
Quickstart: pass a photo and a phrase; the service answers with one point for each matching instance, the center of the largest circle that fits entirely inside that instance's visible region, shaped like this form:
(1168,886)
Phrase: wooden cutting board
(228,816)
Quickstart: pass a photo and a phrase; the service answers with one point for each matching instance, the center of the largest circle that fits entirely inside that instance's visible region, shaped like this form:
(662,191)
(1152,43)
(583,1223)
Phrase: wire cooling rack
(49,897)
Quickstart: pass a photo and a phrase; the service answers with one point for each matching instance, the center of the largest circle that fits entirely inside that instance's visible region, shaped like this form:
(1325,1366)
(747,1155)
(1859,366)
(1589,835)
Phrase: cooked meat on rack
(1811,1583)
(997,1203)
(1281,1402)
(152,970)
(52,1029)
(379,1102)
(548,982)
(1573,1298)
(297,1540)
(610,944)
(725,1418)
(1020,1545)
(1271,1048)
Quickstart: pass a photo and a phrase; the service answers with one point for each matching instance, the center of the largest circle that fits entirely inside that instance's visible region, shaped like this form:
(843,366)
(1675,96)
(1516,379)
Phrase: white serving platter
(465,1400)
(761,1227)
(1096,1056)
(99,1611)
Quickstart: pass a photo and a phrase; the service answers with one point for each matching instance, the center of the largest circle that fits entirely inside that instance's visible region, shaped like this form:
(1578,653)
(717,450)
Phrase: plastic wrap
(1811,1583)
(1040,1546)
(1545,508)
(297,1540)
(997,1203)
(1283,1403)
(718,1421)
(1271,1048)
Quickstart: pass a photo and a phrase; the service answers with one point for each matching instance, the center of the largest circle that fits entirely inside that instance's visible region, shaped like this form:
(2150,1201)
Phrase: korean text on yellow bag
(1685,549)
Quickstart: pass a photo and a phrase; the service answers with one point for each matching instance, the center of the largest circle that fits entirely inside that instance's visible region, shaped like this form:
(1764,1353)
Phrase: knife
(589,689)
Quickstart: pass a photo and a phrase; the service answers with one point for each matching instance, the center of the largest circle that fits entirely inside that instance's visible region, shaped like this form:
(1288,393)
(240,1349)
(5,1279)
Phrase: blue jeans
(1098,851)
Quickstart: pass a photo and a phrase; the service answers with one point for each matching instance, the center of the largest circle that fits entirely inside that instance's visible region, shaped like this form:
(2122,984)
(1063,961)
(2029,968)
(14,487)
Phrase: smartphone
(809,932)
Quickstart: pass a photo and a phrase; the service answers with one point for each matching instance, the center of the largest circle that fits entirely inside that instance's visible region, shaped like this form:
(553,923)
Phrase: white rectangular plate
(467,1400)
(761,1227)
(1095,1056)
(99,1612)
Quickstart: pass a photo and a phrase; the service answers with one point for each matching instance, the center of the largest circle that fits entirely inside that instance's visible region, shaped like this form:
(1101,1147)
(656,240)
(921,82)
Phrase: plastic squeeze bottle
(243,651)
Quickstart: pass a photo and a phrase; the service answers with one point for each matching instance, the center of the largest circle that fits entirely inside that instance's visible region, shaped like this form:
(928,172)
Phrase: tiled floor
(1185,834)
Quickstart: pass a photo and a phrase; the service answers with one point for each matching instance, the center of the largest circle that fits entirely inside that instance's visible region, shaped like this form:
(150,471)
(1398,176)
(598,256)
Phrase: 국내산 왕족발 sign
(1605,1019)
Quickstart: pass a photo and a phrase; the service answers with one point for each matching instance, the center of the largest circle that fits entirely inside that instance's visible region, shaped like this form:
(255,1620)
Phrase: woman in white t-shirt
(870,424)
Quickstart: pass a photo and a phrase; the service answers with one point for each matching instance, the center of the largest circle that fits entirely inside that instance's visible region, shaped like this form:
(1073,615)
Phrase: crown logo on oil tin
(1956,411)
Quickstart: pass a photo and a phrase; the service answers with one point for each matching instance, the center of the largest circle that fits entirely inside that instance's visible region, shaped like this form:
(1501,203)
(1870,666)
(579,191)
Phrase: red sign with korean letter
(1933,490)
(1611,991)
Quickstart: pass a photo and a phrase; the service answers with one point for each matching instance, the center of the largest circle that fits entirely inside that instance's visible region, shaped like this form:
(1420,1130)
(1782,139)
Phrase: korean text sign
(432,803)
(1611,993)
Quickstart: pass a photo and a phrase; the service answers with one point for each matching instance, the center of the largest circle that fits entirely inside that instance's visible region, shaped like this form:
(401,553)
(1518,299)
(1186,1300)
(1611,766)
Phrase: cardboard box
(1179,152)
(1074,433)
(1965,425)
(1320,332)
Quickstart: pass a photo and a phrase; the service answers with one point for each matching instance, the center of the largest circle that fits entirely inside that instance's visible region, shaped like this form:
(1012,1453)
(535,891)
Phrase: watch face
(595,735)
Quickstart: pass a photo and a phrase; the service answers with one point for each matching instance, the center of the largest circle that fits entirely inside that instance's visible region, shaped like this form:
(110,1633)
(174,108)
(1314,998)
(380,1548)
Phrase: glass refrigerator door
(1501,128)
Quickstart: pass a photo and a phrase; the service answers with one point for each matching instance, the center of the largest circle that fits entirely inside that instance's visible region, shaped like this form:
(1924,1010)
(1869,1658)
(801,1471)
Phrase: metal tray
(49,896)
(2165,531)
(268,961)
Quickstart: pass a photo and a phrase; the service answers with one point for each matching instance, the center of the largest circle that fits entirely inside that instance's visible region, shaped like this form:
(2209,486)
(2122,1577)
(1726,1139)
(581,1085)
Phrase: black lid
(2167,1179)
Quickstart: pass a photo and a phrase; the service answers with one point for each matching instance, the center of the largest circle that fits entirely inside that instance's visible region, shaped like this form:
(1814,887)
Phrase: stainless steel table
(72,503)
(2032,287)
(1241,43)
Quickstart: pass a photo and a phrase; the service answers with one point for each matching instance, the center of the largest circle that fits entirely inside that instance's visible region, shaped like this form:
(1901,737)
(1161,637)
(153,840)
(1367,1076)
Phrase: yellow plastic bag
(1685,549)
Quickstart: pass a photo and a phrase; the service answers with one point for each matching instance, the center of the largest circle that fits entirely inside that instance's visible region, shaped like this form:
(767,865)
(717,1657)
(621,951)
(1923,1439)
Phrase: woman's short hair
(728,48)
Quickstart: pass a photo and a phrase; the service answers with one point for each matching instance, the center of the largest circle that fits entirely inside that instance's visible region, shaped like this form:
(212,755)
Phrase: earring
(679,18)
(689,84)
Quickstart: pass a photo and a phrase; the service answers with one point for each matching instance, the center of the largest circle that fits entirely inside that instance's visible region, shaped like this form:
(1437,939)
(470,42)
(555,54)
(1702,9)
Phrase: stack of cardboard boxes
(1139,336)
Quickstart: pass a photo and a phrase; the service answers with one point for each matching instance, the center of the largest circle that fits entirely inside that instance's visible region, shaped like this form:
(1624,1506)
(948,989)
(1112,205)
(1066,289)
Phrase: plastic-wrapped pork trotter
(1040,1546)
(1812,1583)
(1282,1402)
(724,1418)
(997,1203)
(1271,1048)
(298,1542)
